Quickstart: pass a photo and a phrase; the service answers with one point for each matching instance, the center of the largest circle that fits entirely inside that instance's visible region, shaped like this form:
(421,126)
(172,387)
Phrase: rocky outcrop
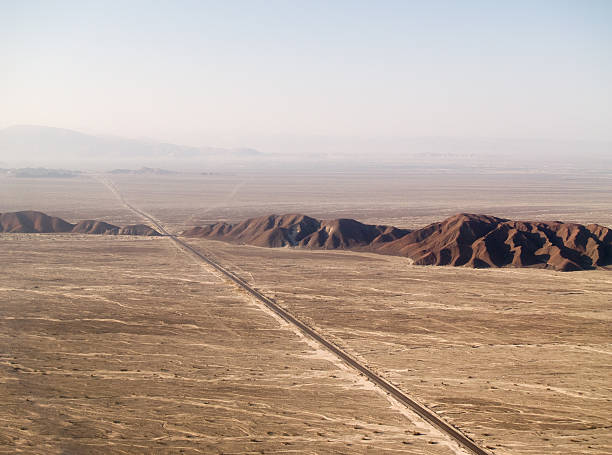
(461,240)
(30,221)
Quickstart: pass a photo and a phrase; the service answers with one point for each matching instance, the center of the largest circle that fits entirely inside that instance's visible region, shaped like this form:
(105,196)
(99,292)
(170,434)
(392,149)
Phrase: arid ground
(128,345)
(518,359)
(406,199)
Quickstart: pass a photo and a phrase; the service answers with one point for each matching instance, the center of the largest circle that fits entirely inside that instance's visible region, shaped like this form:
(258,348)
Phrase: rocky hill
(138,229)
(95,227)
(461,240)
(299,231)
(31,221)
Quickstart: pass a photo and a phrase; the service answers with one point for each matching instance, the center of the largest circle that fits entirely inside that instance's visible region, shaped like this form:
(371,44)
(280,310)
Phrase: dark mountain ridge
(30,221)
(299,231)
(462,240)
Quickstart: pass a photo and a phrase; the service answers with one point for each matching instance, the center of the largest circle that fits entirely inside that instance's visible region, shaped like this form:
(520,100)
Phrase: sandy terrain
(74,199)
(403,198)
(518,359)
(114,345)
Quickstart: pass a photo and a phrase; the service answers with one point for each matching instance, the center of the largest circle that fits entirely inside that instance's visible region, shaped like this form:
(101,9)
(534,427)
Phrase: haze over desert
(313,228)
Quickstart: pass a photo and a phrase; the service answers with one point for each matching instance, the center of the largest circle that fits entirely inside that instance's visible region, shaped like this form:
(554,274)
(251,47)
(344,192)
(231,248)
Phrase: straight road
(394,391)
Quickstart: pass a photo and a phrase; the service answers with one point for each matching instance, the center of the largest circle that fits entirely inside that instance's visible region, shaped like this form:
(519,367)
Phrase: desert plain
(117,344)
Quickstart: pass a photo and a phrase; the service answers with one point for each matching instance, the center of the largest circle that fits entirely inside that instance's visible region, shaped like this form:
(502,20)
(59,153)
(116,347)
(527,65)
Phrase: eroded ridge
(465,239)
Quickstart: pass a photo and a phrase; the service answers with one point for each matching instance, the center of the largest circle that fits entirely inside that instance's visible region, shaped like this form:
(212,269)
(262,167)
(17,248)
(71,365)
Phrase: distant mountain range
(39,172)
(478,241)
(46,144)
(461,240)
(142,171)
(35,146)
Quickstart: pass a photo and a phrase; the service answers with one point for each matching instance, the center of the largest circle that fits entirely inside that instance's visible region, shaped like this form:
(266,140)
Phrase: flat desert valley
(130,344)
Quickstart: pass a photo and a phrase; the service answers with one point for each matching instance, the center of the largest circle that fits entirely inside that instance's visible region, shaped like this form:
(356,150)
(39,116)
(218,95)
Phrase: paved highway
(402,397)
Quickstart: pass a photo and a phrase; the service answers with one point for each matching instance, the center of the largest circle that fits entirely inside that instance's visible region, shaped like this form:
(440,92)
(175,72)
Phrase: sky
(272,74)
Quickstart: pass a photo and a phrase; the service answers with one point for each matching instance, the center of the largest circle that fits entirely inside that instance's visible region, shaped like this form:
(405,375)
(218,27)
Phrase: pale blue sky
(266,73)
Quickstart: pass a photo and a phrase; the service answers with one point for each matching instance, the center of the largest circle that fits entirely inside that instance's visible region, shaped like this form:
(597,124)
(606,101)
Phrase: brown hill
(484,241)
(461,240)
(139,229)
(95,227)
(299,231)
(32,222)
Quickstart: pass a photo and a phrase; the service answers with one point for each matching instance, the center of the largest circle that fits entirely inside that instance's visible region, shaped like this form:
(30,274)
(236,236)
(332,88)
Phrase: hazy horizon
(33,146)
(321,77)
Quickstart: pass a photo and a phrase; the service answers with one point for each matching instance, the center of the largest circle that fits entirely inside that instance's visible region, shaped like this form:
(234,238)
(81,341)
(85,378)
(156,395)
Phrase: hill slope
(139,229)
(95,227)
(30,221)
(299,231)
(485,241)
(461,240)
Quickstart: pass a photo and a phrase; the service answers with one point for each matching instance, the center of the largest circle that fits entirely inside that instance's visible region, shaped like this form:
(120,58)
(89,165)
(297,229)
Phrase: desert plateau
(130,344)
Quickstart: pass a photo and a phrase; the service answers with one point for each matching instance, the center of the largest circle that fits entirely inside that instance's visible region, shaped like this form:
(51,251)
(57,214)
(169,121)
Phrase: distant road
(413,405)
